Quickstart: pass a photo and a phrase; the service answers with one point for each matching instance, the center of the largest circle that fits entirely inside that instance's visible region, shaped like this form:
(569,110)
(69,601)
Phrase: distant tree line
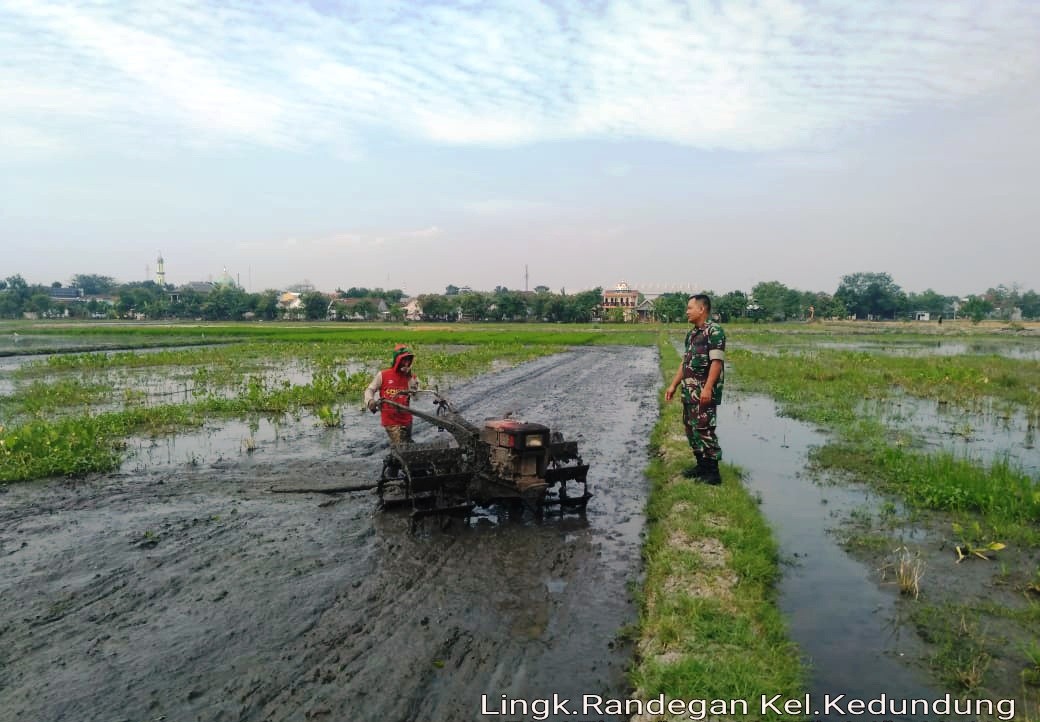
(860,295)
(103,297)
(505,305)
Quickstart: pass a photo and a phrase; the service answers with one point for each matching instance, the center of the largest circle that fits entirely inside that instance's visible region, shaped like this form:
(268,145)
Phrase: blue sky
(413,145)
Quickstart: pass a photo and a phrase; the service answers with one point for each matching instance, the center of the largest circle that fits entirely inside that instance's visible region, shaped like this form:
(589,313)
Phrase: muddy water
(187,591)
(1019,351)
(984,433)
(844,622)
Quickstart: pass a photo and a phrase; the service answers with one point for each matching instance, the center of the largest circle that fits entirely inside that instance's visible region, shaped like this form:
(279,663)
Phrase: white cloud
(740,74)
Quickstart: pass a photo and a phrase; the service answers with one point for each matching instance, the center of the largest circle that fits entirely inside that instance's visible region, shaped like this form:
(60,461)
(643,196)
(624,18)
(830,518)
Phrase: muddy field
(185,592)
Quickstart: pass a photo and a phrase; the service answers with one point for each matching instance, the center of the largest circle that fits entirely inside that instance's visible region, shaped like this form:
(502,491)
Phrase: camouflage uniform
(702,346)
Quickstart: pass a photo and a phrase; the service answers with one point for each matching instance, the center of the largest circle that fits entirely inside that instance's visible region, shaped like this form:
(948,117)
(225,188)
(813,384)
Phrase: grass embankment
(709,626)
(981,627)
(69,414)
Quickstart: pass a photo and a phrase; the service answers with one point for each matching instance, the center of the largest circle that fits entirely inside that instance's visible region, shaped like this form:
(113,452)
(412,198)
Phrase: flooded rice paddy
(179,586)
(985,432)
(185,589)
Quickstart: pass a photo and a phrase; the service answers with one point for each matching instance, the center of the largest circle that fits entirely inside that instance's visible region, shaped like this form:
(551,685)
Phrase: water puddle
(986,433)
(844,622)
(1015,351)
(239,441)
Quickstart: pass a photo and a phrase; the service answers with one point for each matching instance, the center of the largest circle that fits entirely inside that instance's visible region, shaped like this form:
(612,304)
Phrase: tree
(439,308)
(364,308)
(510,306)
(1004,299)
(731,305)
(93,284)
(976,308)
(266,304)
(776,301)
(871,294)
(145,298)
(315,305)
(451,290)
(670,307)
(928,301)
(474,306)
(585,305)
(1030,304)
(39,302)
(541,289)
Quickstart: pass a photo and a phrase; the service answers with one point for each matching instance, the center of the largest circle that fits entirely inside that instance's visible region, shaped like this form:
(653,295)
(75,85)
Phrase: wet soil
(188,591)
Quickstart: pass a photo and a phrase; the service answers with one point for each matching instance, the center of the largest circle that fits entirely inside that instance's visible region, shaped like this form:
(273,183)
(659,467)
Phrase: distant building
(65,294)
(290,305)
(350,309)
(621,297)
(412,309)
(202,288)
(644,311)
(225,280)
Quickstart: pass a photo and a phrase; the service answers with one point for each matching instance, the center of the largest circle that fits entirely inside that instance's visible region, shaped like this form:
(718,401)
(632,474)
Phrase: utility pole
(525,278)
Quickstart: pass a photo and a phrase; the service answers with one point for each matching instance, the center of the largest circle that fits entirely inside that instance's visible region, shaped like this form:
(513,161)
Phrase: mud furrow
(197,594)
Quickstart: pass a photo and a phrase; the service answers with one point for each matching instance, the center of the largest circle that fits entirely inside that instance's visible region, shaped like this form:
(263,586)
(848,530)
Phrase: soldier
(701,374)
(395,384)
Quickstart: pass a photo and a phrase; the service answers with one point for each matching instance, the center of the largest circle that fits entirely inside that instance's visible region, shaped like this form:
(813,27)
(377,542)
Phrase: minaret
(160,271)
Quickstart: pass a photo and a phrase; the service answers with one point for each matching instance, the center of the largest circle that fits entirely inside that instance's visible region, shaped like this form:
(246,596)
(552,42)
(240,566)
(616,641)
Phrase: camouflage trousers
(699,423)
(399,434)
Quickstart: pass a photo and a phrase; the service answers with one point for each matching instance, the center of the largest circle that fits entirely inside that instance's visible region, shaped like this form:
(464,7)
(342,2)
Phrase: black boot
(695,472)
(711,472)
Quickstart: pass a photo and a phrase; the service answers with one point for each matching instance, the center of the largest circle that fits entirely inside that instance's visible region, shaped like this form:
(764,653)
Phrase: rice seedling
(329,417)
(1031,674)
(909,571)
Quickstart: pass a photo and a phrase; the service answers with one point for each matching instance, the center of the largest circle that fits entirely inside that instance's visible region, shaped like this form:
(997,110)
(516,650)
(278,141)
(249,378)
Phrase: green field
(69,414)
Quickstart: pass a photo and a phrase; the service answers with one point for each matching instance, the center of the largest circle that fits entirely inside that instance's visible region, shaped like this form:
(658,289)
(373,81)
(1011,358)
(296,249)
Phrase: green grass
(331,332)
(709,626)
(828,387)
(977,506)
(70,413)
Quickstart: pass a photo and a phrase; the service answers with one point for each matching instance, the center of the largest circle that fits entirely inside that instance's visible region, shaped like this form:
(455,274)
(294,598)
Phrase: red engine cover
(512,426)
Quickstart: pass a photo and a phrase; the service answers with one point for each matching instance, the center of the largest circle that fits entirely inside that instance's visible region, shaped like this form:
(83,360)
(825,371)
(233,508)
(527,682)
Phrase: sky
(572,144)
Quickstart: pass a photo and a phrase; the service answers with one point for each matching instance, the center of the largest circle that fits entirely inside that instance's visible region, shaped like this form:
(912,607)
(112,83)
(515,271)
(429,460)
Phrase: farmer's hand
(373,406)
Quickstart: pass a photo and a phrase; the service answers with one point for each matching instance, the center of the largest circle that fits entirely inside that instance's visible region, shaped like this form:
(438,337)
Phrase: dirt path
(194,593)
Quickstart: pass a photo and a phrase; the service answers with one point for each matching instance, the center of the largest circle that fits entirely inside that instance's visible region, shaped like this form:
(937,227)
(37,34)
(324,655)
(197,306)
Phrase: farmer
(701,374)
(394,384)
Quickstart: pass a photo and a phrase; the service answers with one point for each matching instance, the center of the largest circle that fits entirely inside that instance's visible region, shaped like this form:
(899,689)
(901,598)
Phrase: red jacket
(393,387)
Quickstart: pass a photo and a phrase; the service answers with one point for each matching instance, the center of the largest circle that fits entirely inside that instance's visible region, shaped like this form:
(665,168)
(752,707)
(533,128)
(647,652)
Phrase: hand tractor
(515,464)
